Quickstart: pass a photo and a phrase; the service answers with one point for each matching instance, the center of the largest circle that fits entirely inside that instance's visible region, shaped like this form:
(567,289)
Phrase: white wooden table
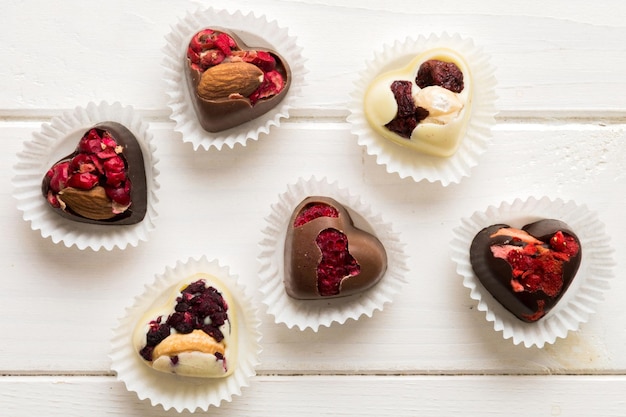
(560,132)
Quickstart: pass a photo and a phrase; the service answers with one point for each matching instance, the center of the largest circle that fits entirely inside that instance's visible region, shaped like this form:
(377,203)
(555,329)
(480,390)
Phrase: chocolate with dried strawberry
(103,181)
(526,270)
(231,83)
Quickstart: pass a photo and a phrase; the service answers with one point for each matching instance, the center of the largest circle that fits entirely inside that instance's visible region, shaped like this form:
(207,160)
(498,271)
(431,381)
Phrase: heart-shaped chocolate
(526,270)
(191,330)
(103,181)
(326,256)
(231,83)
(424,105)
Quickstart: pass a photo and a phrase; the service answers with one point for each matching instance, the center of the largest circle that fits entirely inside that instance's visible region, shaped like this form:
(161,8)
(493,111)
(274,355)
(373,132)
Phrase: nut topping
(92,204)
(228,78)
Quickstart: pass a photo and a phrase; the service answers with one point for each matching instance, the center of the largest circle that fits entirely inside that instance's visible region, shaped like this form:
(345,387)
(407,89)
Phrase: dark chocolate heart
(231,83)
(526,270)
(103,181)
(326,256)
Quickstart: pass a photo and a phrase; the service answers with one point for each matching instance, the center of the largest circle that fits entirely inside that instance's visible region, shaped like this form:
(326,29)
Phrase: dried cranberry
(120,194)
(83,180)
(58,176)
(90,143)
(261,59)
(273,83)
(408,115)
(440,73)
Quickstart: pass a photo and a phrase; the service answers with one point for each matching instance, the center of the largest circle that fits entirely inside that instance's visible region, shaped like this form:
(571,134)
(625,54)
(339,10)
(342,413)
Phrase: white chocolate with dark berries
(424,105)
(191,330)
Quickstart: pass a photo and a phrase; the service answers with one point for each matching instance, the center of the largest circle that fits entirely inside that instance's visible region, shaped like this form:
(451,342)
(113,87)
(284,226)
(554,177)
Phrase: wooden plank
(427,396)
(553,63)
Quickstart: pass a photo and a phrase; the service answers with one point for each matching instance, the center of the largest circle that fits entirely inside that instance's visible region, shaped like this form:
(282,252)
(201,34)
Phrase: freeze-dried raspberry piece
(313,211)
(440,73)
(408,115)
(336,263)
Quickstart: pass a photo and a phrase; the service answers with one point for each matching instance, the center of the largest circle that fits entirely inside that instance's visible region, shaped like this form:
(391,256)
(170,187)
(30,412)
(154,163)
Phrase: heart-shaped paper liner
(312,314)
(252,30)
(526,269)
(108,162)
(409,163)
(179,392)
(59,138)
(326,256)
(241,65)
(585,291)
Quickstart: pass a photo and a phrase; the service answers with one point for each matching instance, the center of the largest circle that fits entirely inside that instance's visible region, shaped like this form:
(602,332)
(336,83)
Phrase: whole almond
(228,78)
(92,204)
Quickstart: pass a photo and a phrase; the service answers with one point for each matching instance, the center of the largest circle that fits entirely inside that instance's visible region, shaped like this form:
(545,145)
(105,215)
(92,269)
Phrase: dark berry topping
(197,307)
(440,73)
(408,115)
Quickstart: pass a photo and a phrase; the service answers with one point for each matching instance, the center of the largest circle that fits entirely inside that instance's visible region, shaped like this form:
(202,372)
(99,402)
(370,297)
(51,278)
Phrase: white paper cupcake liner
(582,296)
(60,138)
(179,392)
(405,161)
(250,28)
(312,314)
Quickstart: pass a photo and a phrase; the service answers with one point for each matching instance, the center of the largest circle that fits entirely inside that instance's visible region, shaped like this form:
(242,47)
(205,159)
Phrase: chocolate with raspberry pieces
(231,83)
(326,256)
(526,270)
(103,181)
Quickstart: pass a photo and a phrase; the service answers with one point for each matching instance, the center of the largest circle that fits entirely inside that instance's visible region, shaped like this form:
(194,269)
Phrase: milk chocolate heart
(526,270)
(231,83)
(424,105)
(191,330)
(326,256)
(103,181)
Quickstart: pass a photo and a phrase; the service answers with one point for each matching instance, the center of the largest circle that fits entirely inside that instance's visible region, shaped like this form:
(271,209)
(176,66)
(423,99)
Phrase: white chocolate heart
(440,134)
(190,354)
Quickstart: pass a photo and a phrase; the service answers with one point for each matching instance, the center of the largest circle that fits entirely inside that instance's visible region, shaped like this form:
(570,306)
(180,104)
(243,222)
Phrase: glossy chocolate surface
(133,157)
(302,255)
(496,274)
(223,114)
